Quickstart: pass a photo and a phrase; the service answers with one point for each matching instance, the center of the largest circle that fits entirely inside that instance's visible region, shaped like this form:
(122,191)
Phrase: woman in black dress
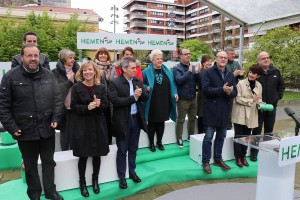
(89,130)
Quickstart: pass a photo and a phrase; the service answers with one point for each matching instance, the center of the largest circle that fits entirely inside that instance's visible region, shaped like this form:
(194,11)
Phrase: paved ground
(283,122)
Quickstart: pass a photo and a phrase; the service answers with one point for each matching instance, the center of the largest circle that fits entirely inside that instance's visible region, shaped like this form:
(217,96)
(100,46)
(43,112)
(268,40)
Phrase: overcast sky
(103,8)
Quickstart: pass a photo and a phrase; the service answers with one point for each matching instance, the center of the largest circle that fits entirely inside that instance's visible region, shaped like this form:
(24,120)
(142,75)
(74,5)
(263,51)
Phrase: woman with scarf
(161,105)
(64,72)
(103,62)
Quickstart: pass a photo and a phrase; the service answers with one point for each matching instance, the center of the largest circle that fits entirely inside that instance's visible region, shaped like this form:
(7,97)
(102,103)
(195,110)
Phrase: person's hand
(227,89)
(190,67)
(92,105)
(176,97)
(198,67)
(242,72)
(236,73)
(97,101)
(256,98)
(137,92)
(53,124)
(148,89)
(17,133)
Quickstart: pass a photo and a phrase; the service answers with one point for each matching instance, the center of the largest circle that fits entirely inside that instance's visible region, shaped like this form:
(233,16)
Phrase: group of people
(99,100)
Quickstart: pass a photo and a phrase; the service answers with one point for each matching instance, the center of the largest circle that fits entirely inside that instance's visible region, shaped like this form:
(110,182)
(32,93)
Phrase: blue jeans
(130,143)
(218,145)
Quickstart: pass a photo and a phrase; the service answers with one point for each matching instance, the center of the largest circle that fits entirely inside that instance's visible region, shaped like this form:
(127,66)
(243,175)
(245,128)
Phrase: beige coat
(244,110)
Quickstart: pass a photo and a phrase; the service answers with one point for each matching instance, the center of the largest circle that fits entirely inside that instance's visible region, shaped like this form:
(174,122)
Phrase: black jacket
(88,130)
(16,60)
(119,94)
(62,79)
(186,81)
(29,102)
(272,85)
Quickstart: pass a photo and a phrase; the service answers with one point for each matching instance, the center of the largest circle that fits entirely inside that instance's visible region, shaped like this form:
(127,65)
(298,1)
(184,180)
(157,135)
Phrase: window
(193,14)
(160,5)
(157,13)
(194,30)
(204,19)
(205,10)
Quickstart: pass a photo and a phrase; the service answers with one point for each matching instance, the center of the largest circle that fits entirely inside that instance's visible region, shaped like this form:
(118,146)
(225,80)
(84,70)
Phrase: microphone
(291,113)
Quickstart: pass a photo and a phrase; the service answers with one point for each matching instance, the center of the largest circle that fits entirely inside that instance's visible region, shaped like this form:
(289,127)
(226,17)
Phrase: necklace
(158,77)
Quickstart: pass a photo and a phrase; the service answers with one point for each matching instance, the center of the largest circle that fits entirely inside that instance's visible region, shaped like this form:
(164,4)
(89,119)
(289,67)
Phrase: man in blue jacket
(219,88)
(186,77)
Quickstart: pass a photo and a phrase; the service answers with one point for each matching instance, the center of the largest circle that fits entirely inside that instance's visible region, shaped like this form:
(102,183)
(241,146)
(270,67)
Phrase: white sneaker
(179,143)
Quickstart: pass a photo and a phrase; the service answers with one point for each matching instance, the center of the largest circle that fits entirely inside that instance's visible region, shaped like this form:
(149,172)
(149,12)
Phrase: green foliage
(52,36)
(283,45)
(197,48)
(289,95)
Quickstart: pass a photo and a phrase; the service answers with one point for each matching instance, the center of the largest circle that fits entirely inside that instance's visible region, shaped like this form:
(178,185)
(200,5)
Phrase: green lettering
(293,155)
(285,153)
(298,151)
(3,72)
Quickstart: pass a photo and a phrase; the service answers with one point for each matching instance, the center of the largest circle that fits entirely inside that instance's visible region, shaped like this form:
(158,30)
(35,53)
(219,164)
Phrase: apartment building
(184,18)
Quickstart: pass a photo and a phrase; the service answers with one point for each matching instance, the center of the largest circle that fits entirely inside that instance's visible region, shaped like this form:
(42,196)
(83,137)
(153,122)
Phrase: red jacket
(137,74)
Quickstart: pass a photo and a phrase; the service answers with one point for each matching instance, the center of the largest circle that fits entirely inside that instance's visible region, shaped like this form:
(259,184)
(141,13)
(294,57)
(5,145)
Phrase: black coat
(62,79)
(88,130)
(216,101)
(272,85)
(43,59)
(29,102)
(119,94)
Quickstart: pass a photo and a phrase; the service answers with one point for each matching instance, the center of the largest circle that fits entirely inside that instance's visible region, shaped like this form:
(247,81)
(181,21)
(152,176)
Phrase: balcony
(126,12)
(126,28)
(138,7)
(126,20)
(138,16)
(138,24)
(138,32)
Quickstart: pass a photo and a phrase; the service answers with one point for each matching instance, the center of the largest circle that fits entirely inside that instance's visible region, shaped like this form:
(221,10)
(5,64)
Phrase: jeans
(266,119)
(186,107)
(130,143)
(31,150)
(218,144)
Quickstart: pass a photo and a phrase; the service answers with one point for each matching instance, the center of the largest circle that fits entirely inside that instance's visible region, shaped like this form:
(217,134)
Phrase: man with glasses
(30,37)
(219,88)
(186,76)
(30,108)
(273,88)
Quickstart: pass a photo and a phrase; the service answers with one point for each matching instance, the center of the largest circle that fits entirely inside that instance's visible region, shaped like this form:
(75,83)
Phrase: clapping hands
(94,104)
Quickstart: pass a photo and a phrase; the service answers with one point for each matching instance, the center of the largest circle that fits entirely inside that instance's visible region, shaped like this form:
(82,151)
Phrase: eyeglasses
(223,58)
(266,58)
(32,56)
(186,54)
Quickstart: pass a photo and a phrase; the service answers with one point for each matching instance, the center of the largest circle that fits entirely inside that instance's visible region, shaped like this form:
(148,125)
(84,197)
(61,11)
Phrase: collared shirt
(133,106)
(222,73)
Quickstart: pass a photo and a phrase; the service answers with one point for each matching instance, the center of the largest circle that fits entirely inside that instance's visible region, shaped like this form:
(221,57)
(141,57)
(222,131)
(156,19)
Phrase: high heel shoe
(96,188)
(83,189)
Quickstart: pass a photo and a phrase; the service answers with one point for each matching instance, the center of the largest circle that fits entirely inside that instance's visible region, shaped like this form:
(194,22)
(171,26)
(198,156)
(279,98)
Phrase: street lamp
(114,22)
(172,24)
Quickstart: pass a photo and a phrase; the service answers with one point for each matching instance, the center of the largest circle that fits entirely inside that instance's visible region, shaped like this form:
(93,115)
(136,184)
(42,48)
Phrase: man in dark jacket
(30,108)
(186,78)
(126,94)
(30,37)
(219,88)
(273,88)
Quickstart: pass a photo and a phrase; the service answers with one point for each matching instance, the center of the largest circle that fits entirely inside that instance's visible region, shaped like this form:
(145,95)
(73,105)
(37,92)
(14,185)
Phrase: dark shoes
(54,196)
(160,146)
(123,184)
(83,189)
(244,161)
(253,157)
(152,148)
(95,184)
(206,168)
(135,178)
(180,143)
(220,163)
(239,162)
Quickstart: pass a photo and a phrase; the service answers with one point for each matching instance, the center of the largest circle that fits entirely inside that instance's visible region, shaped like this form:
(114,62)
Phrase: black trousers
(65,135)
(266,119)
(239,149)
(82,167)
(158,128)
(31,150)
(201,126)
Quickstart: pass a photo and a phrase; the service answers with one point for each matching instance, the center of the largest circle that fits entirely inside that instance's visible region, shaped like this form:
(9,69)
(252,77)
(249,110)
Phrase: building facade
(184,18)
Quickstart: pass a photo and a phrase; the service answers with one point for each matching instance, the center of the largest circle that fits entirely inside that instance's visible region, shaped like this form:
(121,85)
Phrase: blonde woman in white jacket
(245,112)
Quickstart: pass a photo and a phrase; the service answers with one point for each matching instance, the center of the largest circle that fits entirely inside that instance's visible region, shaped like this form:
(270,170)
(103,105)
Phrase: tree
(283,45)
(197,48)
(52,36)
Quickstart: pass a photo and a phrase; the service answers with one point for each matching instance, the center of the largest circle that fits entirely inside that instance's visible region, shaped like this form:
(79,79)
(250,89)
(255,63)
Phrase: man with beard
(30,37)
(30,109)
